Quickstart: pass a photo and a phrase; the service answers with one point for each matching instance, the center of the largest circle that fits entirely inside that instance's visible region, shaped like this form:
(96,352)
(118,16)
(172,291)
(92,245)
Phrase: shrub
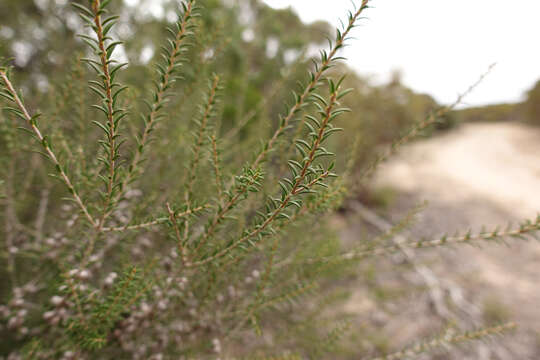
(175,238)
(531,106)
(489,113)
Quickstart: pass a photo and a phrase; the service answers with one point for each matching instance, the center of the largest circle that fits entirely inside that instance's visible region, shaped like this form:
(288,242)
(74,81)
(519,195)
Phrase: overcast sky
(442,46)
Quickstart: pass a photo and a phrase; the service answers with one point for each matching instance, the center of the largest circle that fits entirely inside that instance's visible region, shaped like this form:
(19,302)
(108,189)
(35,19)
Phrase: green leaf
(110,48)
(104,4)
(115,69)
(109,19)
(82,9)
(102,127)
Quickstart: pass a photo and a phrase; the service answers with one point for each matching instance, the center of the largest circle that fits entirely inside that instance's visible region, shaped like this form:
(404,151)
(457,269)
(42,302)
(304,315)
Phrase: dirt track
(496,162)
(479,174)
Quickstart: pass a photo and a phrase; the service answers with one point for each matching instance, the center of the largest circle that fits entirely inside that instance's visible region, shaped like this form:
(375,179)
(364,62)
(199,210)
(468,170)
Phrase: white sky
(442,46)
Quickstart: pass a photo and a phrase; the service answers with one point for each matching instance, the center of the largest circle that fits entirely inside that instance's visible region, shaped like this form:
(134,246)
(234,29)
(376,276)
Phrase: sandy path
(479,174)
(496,162)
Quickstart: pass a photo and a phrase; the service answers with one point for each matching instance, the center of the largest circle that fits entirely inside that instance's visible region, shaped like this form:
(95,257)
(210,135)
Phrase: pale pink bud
(57,300)
(48,315)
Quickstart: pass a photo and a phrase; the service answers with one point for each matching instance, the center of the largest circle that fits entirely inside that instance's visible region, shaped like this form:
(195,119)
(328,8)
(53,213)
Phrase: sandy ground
(475,175)
(498,163)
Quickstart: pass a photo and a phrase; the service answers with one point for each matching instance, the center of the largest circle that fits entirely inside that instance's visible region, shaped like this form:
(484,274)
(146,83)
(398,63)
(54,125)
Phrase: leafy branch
(304,175)
(217,172)
(449,340)
(173,219)
(8,92)
(167,72)
(157,221)
(91,332)
(327,59)
(527,228)
(207,112)
(108,91)
(249,181)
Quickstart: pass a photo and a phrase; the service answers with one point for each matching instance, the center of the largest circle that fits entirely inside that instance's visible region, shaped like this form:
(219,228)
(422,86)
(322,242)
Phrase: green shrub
(489,113)
(531,106)
(166,230)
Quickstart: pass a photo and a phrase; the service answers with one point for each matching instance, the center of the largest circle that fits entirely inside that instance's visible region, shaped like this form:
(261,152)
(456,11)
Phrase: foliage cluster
(186,215)
(531,106)
(490,113)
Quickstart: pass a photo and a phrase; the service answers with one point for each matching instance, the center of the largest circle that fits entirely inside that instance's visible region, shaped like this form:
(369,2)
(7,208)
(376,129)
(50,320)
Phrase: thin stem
(448,340)
(160,96)
(217,172)
(300,101)
(527,228)
(297,188)
(112,134)
(219,216)
(41,213)
(200,138)
(120,293)
(192,170)
(77,299)
(10,221)
(153,222)
(260,106)
(420,126)
(182,251)
(265,280)
(47,148)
